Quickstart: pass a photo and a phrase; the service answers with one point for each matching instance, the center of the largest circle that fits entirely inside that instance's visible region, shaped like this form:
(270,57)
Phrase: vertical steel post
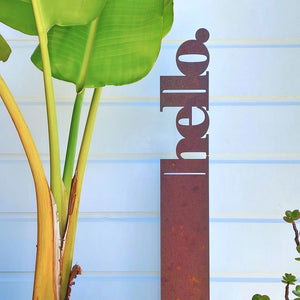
(185,182)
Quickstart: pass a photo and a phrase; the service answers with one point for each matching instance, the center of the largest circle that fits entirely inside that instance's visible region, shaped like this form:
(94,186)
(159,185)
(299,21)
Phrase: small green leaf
(297,258)
(291,216)
(288,220)
(260,297)
(264,297)
(288,217)
(295,214)
(289,278)
(297,291)
(4,49)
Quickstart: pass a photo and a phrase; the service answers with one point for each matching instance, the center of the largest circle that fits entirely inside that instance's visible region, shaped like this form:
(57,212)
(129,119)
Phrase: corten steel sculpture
(184,182)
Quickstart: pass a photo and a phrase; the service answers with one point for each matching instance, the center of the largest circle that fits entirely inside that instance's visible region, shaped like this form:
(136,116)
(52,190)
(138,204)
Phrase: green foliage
(260,297)
(120,48)
(291,216)
(91,43)
(168,16)
(289,278)
(69,12)
(297,292)
(19,15)
(4,49)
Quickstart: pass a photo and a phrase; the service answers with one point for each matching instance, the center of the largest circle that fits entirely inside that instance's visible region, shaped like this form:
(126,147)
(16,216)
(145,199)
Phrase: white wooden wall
(254,161)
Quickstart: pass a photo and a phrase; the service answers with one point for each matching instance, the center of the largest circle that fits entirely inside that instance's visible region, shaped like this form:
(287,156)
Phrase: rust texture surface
(184,234)
(185,181)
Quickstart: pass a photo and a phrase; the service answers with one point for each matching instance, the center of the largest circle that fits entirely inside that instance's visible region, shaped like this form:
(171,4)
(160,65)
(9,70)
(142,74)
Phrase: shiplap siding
(254,160)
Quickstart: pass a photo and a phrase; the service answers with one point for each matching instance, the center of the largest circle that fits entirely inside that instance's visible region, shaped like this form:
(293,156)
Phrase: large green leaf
(167,16)
(19,15)
(4,49)
(70,12)
(119,47)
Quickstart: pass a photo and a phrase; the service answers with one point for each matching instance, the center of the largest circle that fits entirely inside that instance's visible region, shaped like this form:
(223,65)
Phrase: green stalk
(87,137)
(72,142)
(71,149)
(69,240)
(55,174)
(87,54)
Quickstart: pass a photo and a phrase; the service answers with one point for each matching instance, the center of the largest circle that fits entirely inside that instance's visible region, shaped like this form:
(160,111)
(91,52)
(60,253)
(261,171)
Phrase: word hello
(189,91)
(185,180)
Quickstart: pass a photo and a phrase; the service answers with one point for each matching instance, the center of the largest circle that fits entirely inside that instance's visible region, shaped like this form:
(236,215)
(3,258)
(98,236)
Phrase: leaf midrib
(87,54)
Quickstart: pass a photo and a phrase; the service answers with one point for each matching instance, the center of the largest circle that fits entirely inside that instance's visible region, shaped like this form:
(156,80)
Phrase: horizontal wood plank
(138,129)
(133,186)
(234,71)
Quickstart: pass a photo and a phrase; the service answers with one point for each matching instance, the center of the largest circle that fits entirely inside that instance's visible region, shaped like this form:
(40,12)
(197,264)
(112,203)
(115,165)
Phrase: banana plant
(91,43)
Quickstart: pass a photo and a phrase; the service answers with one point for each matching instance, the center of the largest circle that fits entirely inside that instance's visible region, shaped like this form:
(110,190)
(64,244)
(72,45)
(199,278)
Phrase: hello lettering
(184,209)
(189,91)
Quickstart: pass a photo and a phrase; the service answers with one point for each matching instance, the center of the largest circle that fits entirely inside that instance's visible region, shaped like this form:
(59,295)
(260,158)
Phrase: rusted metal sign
(184,181)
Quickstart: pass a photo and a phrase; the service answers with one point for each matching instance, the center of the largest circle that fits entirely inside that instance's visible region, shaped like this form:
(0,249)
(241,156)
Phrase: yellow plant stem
(68,244)
(55,174)
(46,285)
